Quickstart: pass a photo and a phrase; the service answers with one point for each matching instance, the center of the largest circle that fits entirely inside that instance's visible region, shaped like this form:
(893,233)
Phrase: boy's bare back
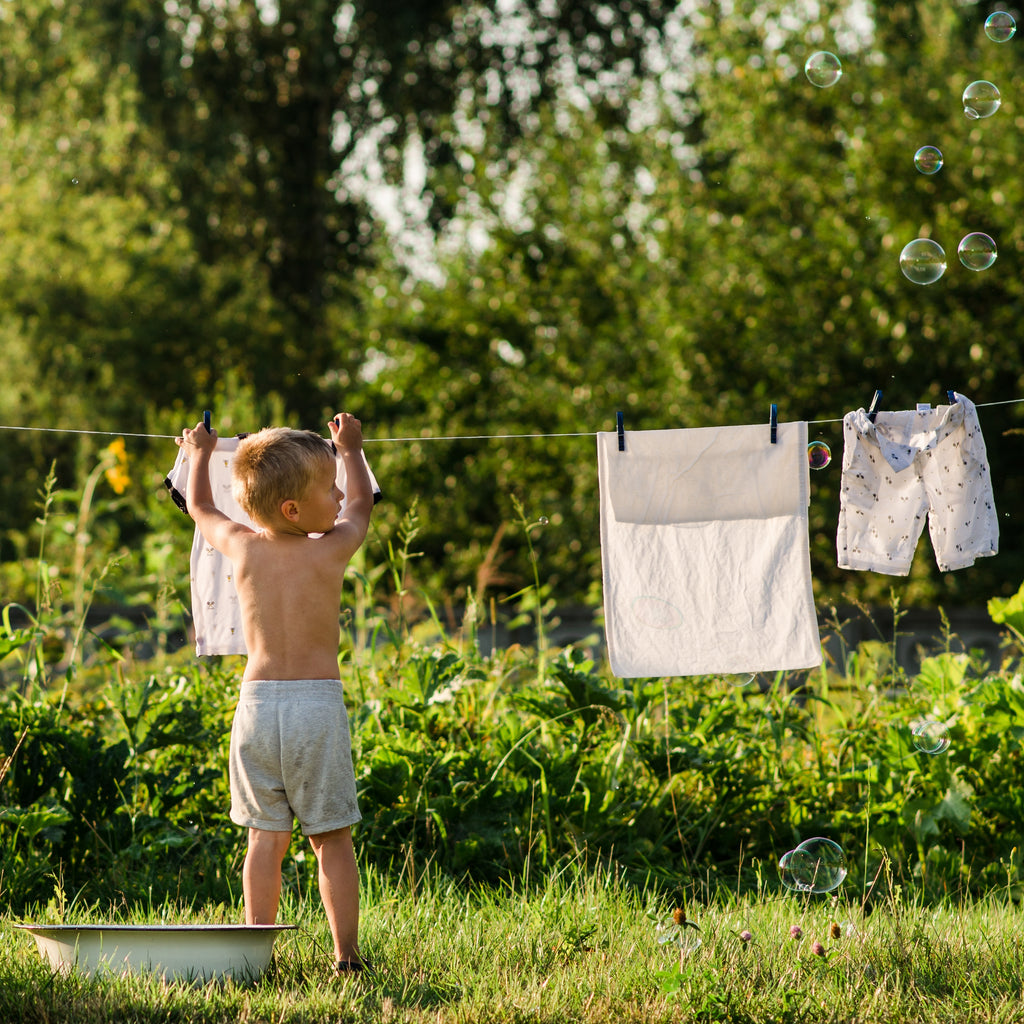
(289,572)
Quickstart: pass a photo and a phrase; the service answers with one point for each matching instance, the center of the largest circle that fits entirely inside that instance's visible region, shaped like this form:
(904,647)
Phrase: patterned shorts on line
(909,466)
(291,757)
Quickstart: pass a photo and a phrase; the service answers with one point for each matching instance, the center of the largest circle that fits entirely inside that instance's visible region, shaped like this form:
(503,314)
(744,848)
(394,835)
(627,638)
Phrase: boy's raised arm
(215,526)
(347,434)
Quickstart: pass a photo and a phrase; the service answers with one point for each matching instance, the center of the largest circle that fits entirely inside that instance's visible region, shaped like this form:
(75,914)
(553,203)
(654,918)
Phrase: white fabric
(908,465)
(704,551)
(216,613)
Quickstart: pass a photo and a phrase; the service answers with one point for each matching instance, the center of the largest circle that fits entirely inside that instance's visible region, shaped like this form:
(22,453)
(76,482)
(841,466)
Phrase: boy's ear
(290,509)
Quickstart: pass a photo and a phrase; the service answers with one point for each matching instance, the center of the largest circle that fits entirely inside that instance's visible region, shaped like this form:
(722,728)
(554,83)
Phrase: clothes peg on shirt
(873,408)
(619,426)
(206,419)
(773,422)
(951,396)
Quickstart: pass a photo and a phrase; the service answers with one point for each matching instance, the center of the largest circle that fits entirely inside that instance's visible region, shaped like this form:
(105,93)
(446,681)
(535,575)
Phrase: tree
(742,249)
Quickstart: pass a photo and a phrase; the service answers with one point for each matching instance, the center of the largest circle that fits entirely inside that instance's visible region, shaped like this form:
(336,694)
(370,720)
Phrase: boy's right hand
(199,437)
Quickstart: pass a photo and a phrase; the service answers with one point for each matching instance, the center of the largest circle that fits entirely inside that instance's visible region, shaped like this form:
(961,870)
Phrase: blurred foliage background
(510,218)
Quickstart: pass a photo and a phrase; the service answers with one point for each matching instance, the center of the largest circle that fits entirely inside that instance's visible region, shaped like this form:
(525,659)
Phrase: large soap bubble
(981,99)
(816,865)
(923,261)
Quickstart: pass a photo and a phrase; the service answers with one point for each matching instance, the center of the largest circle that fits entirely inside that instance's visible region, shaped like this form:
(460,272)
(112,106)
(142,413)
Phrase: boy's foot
(344,967)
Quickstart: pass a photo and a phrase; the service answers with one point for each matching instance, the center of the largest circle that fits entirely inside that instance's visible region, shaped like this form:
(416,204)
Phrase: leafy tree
(636,206)
(743,248)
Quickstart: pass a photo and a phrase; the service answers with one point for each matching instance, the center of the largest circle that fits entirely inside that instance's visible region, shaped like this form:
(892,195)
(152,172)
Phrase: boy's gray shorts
(291,757)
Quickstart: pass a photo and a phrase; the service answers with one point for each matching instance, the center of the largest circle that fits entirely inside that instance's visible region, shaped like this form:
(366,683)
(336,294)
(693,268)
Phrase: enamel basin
(194,953)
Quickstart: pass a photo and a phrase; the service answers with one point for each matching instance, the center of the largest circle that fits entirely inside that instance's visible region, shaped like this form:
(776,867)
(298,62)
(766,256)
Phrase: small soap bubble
(739,679)
(923,261)
(543,520)
(981,99)
(819,455)
(928,160)
(823,69)
(977,251)
(931,737)
(817,865)
(74,181)
(668,931)
(1000,26)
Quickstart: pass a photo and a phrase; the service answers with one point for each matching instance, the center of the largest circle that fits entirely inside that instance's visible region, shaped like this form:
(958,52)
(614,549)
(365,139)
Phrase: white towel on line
(704,551)
(216,614)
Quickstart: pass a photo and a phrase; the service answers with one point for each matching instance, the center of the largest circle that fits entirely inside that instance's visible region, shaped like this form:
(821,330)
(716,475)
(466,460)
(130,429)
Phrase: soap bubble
(792,868)
(668,931)
(543,521)
(816,865)
(928,160)
(739,679)
(923,261)
(977,251)
(931,737)
(981,99)
(823,69)
(819,455)
(1000,26)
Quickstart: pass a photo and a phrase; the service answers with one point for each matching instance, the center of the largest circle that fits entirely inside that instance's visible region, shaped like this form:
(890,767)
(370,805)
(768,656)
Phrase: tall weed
(500,767)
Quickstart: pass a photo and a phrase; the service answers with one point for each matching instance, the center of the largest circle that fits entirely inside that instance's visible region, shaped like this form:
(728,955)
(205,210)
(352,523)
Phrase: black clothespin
(619,426)
(773,422)
(206,419)
(873,407)
(951,396)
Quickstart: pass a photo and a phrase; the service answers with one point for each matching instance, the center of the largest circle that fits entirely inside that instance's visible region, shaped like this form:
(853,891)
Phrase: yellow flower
(117,474)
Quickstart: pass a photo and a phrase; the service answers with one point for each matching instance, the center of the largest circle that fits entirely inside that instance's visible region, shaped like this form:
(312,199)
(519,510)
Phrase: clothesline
(383,440)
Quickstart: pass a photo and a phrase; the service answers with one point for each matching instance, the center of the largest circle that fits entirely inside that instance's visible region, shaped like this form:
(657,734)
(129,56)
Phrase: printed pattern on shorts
(909,466)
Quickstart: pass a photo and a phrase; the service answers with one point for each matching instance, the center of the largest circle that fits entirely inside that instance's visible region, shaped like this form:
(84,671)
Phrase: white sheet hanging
(704,551)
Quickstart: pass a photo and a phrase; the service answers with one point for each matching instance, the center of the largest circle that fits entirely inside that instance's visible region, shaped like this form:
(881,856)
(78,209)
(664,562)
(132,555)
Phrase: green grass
(578,947)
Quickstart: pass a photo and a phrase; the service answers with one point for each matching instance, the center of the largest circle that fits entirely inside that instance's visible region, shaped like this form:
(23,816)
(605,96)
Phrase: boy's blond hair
(273,465)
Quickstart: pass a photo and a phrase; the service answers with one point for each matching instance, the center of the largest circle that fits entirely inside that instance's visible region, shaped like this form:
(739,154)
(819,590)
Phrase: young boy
(290,748)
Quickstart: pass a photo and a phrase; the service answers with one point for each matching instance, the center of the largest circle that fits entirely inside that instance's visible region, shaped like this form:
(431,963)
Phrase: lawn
(580,946)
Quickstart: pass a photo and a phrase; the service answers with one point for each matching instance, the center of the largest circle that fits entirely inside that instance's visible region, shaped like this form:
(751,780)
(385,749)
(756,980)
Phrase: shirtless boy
(290,749)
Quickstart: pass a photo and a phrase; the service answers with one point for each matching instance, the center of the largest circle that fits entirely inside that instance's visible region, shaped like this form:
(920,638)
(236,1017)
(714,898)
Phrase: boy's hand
(346,432)
(200,437)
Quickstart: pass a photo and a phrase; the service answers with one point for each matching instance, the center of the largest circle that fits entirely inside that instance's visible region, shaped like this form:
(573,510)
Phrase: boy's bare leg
(261,874)
(339,890)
